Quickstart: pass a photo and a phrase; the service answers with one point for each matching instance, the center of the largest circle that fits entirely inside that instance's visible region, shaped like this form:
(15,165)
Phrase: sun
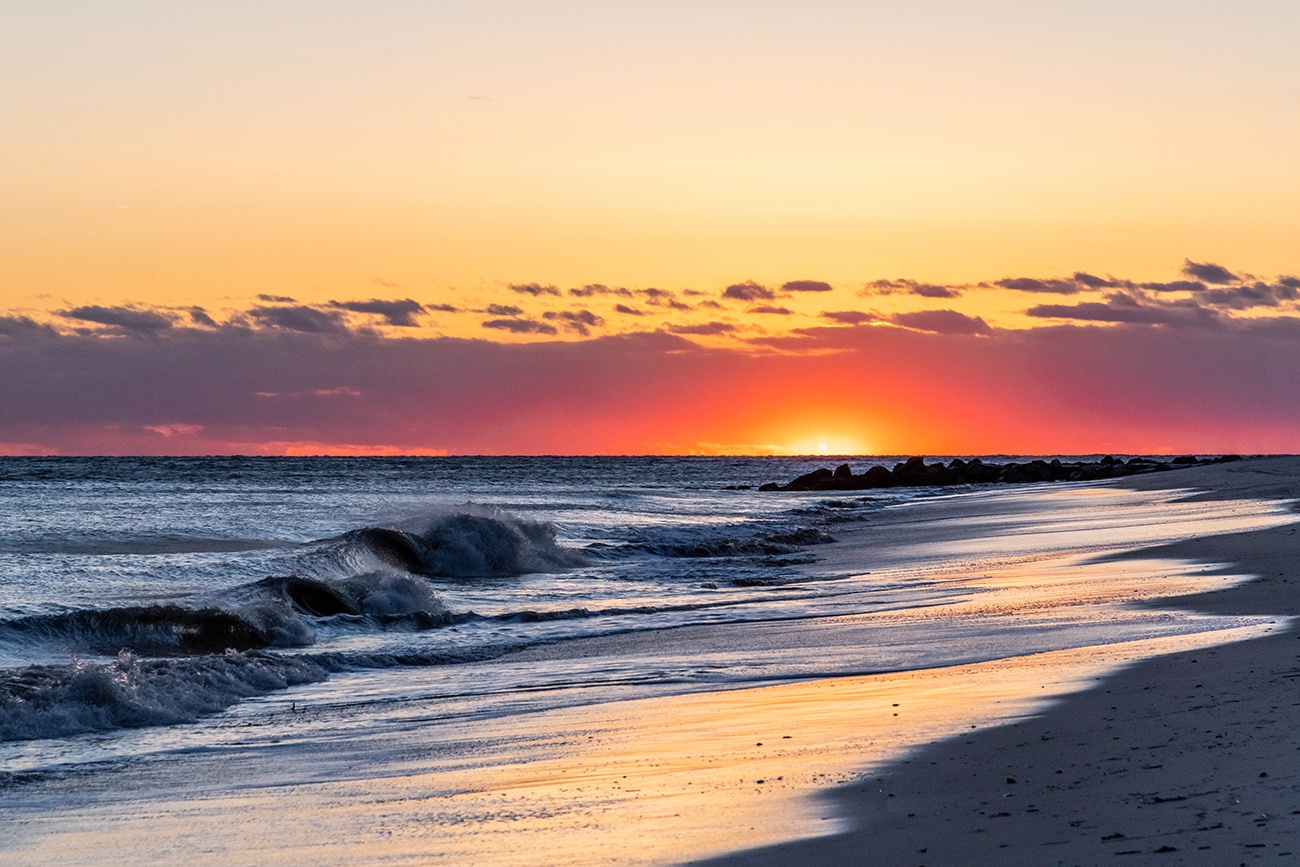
(825,444)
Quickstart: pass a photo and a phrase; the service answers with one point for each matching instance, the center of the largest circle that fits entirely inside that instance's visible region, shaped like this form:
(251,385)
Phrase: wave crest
(477,542)
(57,701)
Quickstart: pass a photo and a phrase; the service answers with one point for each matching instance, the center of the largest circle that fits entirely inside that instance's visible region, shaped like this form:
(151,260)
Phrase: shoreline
(1191,756)
(706,770)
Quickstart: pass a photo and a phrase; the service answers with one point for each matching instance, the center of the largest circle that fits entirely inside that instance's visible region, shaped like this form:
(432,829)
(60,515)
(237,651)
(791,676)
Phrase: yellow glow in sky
(205,155)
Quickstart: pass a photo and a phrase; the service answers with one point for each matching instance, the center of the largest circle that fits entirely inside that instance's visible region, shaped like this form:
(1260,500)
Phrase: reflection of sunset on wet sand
(651,781)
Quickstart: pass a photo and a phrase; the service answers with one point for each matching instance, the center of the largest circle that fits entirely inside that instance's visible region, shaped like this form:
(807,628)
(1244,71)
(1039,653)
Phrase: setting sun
(829,444)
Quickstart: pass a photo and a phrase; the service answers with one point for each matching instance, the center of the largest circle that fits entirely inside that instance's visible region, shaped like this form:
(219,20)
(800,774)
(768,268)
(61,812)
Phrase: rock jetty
(916,473)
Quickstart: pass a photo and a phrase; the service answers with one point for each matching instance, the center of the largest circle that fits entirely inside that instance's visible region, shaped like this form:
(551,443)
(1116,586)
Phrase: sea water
(161,606)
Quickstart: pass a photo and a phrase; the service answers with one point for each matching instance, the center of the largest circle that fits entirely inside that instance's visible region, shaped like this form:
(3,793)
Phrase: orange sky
(291,171)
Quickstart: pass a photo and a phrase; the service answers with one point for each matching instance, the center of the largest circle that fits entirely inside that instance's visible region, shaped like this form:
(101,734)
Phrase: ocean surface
(149,605)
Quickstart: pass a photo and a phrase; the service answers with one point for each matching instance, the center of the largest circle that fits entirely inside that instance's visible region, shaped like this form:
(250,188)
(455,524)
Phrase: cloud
(520,326)
(200,317)
(581,321)
(1131,308)
(127,320)
(171,430)
(1208,272)
(592,289)
(929,290)
(503,310)
(628,311)
(443,308)
(534,289)
(942,322)
(1173,286)
(779,311)
(910,287)
(704,329)
(22,326)
(1030,284)
(1055,388)
(387,284)
(1248,295)
(400,313)
(748,291)
(1083,278)
(307,320)
(850,317)
(276,299)
(806,286)
(663,298)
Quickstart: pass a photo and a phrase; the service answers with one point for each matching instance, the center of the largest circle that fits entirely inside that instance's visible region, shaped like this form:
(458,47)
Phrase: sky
(688,228)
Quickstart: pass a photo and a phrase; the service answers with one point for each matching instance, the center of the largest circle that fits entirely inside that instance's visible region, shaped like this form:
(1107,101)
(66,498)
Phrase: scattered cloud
(1208,272)
(942,322)
(503,310)
(200,317)
(534,289)
(387,284)
(748,291)
(1248,295)
(276,299)
(307,320)
(780,311)
(592,289)
(581,321)
(1083,278)
(628,311)
(520,326)
(443,308)
(910,287)
(400,313)
(172,430)
(663,298)
(930,290)
(1053,286)
(806,286)
(125,320)
(850,317)
(1131,308)
(1172,286)
(22,326)
(704,329)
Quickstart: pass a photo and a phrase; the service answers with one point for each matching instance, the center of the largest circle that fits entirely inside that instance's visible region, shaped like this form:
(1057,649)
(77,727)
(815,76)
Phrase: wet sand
(1189,758)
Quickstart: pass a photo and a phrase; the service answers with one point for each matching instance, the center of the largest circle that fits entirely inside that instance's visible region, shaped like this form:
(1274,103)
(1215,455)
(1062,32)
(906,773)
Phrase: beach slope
(1189,758)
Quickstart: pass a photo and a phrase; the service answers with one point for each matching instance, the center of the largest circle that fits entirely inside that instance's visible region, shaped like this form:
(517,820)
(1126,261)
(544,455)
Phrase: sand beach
(1186,758)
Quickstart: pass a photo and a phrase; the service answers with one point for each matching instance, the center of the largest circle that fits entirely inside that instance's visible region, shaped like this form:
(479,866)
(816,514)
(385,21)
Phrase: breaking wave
(174,663)
(57,701)
(476,542)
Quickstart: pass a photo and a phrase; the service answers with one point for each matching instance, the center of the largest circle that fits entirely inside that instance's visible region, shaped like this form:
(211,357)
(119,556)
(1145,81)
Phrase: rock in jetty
(916,473)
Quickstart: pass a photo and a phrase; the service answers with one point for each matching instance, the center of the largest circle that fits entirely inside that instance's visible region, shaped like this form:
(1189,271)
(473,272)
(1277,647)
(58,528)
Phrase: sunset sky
(710,227)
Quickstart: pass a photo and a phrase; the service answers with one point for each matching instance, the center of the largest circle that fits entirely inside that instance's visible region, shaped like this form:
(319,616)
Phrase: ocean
(293,613)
